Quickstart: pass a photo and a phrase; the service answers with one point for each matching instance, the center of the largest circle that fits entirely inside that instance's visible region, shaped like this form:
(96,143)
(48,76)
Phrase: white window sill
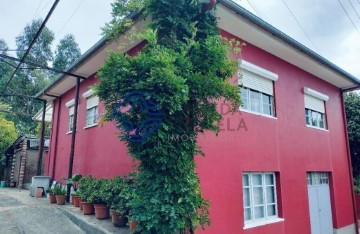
(70,132)
(322,129)
(91,126)
(263,222)
(255,113)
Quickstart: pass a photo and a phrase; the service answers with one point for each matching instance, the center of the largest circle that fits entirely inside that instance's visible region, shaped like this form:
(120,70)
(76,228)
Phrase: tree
(41,51)
(28,81)
(184,70)
(67,52)
(7,137)
(352,108)
(5,67)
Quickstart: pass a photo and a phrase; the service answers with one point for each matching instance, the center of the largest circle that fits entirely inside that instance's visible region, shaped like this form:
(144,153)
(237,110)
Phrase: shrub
(59,189)
(97,193)
(86,188)
(357,185)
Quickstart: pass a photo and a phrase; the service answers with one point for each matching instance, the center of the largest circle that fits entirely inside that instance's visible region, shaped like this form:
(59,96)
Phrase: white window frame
(261,74)
(266,219)
(319,112)
(70,105)
(89,95)
(262,102)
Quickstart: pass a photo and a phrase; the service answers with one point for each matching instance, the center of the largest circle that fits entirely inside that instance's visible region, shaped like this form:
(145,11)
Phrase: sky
(322,25)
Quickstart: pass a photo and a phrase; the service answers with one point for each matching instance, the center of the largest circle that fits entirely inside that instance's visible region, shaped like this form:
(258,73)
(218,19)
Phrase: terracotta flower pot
(117,219)
(76,200)
(38,192)
(52,198)
(60,199)
(132,225)
(101,211)
(88,208)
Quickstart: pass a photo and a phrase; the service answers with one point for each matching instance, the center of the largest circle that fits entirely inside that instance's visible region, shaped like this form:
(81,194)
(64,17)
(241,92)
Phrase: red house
(279,165)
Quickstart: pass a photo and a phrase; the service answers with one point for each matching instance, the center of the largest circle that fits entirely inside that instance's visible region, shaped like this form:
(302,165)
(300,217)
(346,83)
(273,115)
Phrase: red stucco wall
(283,144)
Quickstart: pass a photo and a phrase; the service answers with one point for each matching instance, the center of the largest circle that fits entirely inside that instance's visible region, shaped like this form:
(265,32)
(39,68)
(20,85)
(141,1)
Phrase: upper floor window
(257,89)
(70,104)
(259,197)
(92,103)
(315,112)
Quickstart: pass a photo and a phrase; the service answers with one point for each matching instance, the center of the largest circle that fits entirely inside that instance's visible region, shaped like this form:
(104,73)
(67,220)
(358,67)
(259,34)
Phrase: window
(70,104)
(71,119)
(257,102)
(257,89)
(317,178)
(91,116)
(259,197)
(92,103)
(315,115)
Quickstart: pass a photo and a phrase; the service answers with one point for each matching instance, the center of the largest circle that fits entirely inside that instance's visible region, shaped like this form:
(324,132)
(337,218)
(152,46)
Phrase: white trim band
(70,103)
(316,94)
(88,93)
(258,70)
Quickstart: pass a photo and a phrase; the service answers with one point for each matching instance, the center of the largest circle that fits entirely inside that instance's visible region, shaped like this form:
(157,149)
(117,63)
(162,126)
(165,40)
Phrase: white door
(319,203)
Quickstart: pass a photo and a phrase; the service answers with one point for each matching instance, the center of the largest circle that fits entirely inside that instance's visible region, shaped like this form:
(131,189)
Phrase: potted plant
(116,201)
(75,181)
(99,197)
(76,199)
(85,190)
(130,195)
(60,194)
(52,197)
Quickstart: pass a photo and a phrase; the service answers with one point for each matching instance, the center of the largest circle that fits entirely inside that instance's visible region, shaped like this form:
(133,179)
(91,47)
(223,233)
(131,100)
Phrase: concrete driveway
(23,214)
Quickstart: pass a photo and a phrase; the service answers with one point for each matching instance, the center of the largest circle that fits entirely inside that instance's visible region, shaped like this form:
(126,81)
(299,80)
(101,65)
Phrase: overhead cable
(32,42)
(352,22)
(301,27)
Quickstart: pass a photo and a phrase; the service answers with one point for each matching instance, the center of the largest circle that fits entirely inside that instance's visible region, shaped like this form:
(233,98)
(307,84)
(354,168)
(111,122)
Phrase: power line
(11,65)
(352,22)
(255,9)
(38,14)
(37,9)
(307,36)
(352,6)
(32,42)
(72,15)
(257,12)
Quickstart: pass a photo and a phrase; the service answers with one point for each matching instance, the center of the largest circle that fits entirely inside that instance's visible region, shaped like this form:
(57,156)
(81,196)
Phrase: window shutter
(92,102)
(256,82)
(314,103)
(71,110)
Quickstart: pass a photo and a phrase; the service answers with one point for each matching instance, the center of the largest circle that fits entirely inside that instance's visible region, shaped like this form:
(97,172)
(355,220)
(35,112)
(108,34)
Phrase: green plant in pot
(75,181)
(52,197)
(100,196)
(85,190)
(60,194)
(117,201)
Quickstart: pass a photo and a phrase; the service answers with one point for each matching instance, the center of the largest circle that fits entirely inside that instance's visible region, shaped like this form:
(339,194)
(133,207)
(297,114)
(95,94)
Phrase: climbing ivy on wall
(184,69)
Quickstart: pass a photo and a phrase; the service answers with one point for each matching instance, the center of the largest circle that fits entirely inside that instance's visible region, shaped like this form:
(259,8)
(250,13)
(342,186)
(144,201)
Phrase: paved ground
(22,214)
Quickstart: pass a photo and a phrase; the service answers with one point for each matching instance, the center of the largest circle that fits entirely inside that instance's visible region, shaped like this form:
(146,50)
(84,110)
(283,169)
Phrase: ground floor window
(259,196)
